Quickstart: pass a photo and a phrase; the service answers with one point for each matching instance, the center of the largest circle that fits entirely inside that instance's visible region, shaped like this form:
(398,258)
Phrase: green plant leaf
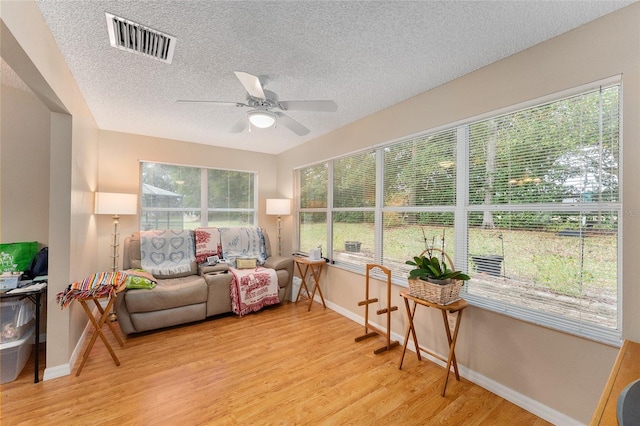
(416,273)
(458,275)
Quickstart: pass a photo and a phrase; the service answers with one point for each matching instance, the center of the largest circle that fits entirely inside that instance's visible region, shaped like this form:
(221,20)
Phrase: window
(231,197)
(312,220)
(527,202)
(543,211)
(354,202)
(419,198)
(182,197)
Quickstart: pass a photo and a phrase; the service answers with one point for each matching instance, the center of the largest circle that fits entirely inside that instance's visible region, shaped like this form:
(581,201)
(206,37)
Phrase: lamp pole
(279,235)
(115,243)
(279,207)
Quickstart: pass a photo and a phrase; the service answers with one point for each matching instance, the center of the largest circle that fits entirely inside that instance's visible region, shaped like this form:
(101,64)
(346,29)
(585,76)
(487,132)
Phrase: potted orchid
(431,268)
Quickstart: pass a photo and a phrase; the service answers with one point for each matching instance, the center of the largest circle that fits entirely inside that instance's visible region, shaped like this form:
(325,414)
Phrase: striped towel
(97,285)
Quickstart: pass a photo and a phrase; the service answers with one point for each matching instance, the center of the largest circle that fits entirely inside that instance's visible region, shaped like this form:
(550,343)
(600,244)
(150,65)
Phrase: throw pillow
(246,263)
(138,278)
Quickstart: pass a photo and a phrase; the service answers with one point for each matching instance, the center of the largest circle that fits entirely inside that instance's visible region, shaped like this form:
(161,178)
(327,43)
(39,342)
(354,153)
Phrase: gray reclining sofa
(185,297)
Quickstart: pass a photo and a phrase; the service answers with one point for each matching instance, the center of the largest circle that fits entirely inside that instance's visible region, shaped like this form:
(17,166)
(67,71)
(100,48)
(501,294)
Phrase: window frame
(204,209)
(462,208)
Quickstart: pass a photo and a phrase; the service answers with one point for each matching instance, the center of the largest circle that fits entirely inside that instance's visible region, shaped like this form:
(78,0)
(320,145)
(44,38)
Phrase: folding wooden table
(316,270)
(97,326)
(454,307)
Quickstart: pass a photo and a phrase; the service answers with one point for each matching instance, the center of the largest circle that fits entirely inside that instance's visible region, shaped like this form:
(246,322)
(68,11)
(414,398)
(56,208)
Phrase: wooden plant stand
(369,330)
(455,307)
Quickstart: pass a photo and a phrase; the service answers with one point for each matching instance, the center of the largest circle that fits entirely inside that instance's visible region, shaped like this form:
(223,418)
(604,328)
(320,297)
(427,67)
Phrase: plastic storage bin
(9,280)
(17,317)
(295,287)
(14,355)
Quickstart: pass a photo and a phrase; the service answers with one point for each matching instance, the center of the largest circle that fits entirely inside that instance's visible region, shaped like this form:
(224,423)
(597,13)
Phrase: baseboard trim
(55,372)
(522,401)
(65,369)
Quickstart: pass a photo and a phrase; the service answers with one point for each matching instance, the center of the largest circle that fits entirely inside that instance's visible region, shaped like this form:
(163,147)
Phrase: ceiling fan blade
(251,84)
(325,106)
(240,126)
(291,124)
(195,101)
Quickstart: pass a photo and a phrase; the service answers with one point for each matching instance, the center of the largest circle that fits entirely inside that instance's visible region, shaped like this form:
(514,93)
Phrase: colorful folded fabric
(96,285)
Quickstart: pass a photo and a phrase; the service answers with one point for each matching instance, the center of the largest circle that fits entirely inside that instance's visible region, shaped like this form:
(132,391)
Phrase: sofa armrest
(278,262)
(284,268)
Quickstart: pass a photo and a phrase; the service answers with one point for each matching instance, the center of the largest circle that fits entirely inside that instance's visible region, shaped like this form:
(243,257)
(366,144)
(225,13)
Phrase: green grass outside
(542,259)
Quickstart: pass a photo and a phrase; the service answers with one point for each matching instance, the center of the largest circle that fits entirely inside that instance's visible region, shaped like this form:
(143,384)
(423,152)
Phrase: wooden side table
(458,307)
(97,326)
(316,270)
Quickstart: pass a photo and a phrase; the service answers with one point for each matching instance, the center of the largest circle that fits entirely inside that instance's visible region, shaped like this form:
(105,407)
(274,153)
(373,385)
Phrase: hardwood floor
(281,366)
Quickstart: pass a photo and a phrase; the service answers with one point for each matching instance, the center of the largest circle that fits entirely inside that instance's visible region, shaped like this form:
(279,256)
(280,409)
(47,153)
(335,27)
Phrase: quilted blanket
(243,242)
(207,244)
(253,289)
(167,252)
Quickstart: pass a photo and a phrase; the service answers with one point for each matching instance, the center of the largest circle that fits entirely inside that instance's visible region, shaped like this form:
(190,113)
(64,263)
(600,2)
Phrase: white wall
(24,193)
(562,372)
(70,153)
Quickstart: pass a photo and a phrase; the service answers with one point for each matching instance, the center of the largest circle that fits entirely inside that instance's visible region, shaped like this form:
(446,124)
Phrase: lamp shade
(279,206)
(116,203)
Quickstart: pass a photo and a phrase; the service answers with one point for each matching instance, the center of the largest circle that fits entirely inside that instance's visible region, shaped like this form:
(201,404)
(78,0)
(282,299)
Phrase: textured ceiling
(366,56)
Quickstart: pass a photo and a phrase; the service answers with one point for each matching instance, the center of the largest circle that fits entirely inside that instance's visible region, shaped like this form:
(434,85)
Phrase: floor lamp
(279,207)
(115,204)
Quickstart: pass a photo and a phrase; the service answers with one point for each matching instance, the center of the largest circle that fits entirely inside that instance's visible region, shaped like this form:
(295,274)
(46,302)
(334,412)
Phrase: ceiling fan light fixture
(261,119)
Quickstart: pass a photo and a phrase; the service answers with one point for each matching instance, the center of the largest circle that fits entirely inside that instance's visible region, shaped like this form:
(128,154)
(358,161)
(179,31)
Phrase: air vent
(133,37)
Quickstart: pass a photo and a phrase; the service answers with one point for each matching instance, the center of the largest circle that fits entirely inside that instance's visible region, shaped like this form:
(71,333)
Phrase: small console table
(34,294)
(458,307)
(316,270)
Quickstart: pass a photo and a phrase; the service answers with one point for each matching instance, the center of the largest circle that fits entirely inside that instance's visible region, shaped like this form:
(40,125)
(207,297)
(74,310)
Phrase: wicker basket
(436,293)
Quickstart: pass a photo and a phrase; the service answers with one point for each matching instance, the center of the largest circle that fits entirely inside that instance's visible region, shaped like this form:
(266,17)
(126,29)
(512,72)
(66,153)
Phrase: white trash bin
(295,288)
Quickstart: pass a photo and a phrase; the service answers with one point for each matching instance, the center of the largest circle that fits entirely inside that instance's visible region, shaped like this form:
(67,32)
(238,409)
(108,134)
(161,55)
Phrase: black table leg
(35,298)
(37,362)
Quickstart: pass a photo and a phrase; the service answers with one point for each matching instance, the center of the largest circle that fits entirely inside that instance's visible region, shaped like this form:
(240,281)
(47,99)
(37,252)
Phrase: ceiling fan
(263,102)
